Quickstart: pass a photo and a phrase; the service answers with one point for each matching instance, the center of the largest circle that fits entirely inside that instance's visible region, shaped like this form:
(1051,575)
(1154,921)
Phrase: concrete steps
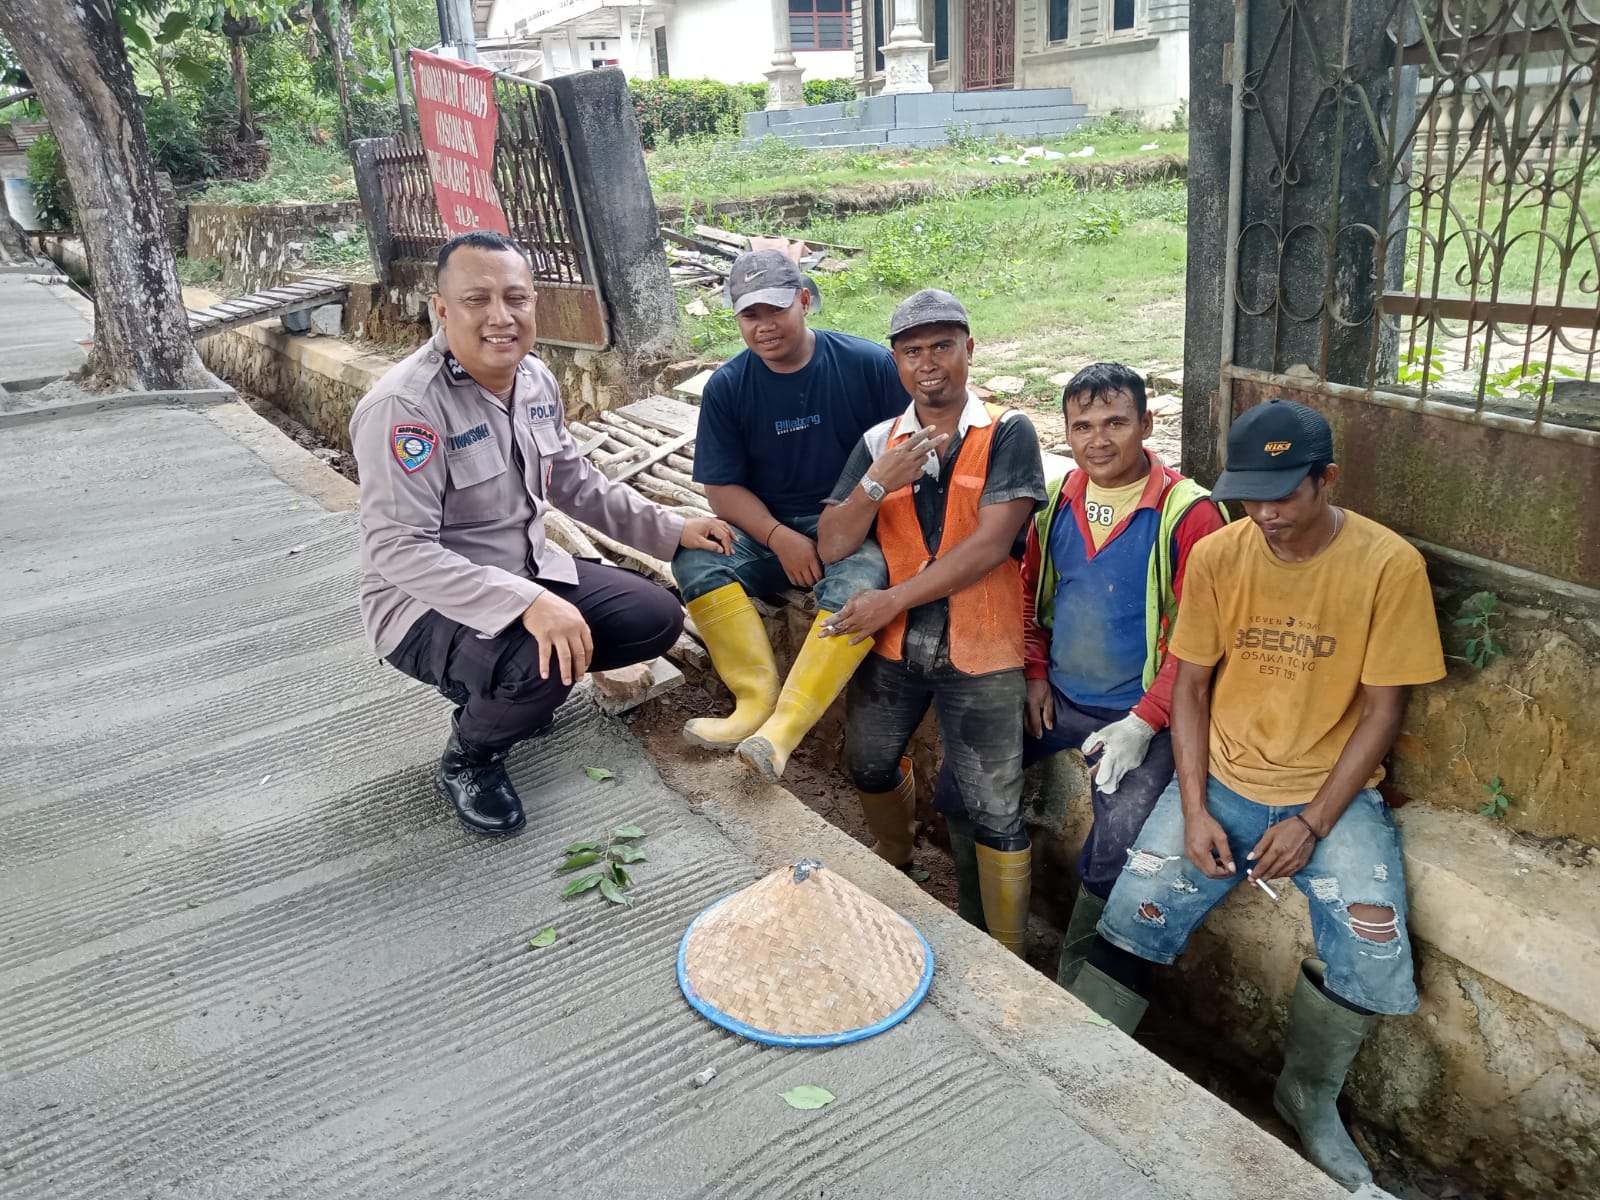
(922,120)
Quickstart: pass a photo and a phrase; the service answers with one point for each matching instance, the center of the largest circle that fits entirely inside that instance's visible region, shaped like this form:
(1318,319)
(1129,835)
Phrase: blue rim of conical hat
(733,1025)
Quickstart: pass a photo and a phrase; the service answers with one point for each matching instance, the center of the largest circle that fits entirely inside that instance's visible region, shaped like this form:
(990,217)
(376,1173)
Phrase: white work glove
(1123,745)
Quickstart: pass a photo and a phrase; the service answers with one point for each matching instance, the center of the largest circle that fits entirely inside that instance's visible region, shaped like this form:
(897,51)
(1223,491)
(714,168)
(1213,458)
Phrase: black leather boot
(473,778)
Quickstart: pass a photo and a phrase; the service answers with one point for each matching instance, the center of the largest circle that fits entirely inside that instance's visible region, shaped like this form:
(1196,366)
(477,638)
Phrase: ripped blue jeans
(1161,897)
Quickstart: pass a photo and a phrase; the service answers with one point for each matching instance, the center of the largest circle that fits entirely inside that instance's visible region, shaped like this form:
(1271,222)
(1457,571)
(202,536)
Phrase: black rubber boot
(964,857)
(473,779)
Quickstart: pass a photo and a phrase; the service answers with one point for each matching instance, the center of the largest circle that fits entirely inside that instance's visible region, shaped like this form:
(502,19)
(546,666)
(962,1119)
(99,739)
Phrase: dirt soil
(320,446)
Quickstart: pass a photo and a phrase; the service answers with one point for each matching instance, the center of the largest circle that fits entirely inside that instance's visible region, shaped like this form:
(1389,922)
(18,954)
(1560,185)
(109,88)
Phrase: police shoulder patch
(414,446)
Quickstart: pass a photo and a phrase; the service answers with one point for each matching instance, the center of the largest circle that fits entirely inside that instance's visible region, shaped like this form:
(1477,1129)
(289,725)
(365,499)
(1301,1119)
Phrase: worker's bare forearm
(1382,710)
(742,508)
(843,527)
(1191,733)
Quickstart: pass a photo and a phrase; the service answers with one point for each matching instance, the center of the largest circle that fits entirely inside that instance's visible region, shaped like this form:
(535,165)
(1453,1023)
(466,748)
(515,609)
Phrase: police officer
(462,449)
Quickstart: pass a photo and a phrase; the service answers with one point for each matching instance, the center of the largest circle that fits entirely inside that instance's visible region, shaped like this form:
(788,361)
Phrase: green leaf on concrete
(630,831)
(919,874)
(579,847)
(599,774)
(625,853)
(196,903)
(587,858)
(620,877)
(1097,1019)
(615,894)
(581,884)
(545,937)
(808,1095)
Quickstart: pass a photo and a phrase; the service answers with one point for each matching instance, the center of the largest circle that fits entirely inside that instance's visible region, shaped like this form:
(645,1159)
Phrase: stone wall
(259,244)
(315,380)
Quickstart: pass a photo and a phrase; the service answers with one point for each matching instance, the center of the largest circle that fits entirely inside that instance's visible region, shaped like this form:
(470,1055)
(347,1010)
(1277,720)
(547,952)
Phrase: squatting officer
(463,449)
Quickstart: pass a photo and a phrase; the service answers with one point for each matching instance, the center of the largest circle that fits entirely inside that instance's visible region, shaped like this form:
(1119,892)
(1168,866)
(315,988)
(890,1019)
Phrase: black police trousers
(496,680)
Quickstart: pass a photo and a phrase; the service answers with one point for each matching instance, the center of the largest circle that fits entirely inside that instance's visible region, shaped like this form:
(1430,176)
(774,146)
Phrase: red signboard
(455,107)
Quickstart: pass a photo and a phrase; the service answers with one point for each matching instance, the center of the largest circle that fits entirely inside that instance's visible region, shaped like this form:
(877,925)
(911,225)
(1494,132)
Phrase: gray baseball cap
(764,277)
(930,306)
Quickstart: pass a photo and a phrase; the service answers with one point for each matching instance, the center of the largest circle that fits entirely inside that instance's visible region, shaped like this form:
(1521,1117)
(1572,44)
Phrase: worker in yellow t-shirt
(1299,633)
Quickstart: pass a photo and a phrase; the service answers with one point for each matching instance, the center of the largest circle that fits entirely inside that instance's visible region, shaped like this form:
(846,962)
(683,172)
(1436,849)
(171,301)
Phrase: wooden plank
(723,237)
(663,413)
(652,458)
(689,243)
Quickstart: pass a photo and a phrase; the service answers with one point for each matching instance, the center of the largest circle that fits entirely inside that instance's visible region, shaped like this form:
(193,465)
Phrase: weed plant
(298,168)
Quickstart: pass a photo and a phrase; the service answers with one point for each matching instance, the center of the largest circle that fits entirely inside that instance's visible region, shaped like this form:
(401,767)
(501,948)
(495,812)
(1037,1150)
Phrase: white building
(734,41)
(1116,55)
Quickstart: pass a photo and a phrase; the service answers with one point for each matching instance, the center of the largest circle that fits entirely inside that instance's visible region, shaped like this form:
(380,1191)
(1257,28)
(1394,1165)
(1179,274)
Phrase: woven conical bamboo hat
(803,957)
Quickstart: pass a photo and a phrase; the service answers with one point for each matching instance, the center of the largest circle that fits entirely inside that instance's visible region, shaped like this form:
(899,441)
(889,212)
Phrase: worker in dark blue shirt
(777,422)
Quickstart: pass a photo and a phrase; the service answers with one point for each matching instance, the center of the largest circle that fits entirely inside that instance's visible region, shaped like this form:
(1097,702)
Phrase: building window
(941,30)
(661,52)
(879,35)
(1122,14)
(819,24)
(1060,19)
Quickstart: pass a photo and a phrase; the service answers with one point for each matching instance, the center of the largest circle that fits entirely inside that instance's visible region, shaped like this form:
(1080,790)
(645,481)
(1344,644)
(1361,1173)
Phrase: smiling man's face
(933,361)
(485,306)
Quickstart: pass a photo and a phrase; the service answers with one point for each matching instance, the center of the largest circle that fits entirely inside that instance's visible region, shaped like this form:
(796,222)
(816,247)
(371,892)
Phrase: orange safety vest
(985,616)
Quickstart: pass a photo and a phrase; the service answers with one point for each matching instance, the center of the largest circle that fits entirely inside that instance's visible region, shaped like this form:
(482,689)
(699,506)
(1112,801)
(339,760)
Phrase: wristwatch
(875,491)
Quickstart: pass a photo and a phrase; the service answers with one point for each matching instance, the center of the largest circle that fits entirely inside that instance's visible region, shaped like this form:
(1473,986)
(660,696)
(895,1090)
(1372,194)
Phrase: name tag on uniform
(547,410)
(471,437)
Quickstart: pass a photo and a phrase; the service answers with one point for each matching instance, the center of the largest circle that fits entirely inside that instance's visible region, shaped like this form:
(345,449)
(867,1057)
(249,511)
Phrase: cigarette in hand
(1262,885)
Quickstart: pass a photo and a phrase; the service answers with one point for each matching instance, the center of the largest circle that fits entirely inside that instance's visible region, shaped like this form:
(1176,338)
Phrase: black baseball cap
(930,306)
(764,277)
(1271,448)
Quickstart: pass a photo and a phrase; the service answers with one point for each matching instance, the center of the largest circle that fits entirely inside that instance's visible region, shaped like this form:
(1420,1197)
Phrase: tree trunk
(75,58)
(397,64)
(329,16)
(13,241)
(241,90)
(164,75)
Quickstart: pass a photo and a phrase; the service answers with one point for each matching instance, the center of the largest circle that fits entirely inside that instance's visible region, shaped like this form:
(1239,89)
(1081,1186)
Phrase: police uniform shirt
(455,484)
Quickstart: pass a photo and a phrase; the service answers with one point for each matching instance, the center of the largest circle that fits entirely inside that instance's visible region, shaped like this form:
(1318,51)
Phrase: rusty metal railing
(1477,271)
(534,177)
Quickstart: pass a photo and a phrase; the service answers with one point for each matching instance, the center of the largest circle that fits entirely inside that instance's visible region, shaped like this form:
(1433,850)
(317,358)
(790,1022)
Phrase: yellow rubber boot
(1005,878)
(892,817)
(820,671)
(737,642)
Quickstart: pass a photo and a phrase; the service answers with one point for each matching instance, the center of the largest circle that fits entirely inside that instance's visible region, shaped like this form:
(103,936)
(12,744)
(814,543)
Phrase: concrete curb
(88,404)
(1162,1123)
(289,461)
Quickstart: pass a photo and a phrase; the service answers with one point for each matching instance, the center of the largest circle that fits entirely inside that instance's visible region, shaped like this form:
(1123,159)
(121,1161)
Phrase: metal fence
(533,175)
(1431,238)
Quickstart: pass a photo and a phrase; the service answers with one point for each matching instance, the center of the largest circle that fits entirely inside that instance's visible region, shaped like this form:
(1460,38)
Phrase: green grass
(701,170)
(297,169)
(1052,278)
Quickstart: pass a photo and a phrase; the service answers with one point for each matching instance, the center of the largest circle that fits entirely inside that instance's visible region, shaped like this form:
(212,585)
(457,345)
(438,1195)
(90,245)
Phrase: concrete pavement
(44,326)
(244,951)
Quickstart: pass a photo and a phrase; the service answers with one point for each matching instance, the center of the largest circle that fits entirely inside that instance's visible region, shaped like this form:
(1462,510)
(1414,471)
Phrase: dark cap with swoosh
(764,277)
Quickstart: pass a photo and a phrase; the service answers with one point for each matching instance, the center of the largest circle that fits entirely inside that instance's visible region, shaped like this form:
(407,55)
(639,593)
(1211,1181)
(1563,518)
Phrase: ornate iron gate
(991,39)
(1409,248)
(533,174)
